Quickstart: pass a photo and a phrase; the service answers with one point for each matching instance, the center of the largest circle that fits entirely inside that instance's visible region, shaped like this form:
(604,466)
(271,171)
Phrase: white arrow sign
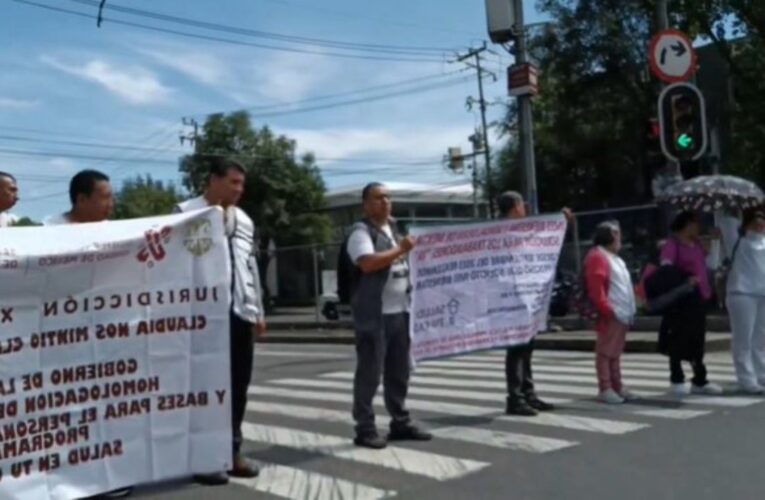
(671,56)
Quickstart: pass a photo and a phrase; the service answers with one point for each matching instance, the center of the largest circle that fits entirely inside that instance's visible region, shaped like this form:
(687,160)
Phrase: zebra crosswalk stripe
(432,465)
(342,381)
(288,482)
(486,437)
(586,424)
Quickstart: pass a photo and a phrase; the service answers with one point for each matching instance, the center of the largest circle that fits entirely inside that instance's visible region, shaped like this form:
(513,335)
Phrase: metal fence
(306,275)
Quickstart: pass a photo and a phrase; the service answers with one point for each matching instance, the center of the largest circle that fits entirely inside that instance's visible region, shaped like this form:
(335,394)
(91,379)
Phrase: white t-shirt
(395,298)
(621,293)
(7,220)
(747,274)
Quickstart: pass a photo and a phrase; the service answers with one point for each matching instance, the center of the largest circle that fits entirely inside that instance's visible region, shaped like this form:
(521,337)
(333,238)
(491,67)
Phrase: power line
(37,140)
(156,161)
(381,97)
(229,40)
(400,83)
(337,44)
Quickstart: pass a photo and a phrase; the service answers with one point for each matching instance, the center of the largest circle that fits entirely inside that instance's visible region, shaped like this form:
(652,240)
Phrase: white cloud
(379,143)
(136,85)
(10,103)
(200,66)
(291,77)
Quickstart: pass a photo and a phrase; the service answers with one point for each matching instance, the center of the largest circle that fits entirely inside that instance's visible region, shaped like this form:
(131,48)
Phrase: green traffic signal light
(685,141)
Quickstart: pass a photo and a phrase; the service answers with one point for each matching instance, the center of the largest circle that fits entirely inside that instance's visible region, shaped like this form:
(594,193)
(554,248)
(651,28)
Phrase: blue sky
(66,81)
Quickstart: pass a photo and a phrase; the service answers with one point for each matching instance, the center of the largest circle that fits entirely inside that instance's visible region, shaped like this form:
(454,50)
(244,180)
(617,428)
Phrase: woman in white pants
(746,303)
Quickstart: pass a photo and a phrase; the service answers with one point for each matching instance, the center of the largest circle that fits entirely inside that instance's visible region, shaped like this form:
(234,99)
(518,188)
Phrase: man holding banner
(90,193)
(380,304)
(522,399)
(486,285)
(225,186)
(9,195)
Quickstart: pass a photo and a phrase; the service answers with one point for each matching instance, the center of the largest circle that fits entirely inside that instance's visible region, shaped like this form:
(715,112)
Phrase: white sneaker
(610,397)
(754,390)
(709,389)
(679,390)
(628,395)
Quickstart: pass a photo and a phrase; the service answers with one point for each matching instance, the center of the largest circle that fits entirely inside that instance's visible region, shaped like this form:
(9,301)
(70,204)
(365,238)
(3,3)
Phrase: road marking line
(432,465)
(486,437)
(296,484)
(586,424)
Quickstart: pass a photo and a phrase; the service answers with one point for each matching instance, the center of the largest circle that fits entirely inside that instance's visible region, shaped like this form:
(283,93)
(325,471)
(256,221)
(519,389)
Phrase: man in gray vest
(380,304)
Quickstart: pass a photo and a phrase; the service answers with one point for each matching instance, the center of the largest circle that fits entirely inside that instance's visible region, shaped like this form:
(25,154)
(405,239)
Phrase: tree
(284,194)
(26,222)
(591,115)
(145,197)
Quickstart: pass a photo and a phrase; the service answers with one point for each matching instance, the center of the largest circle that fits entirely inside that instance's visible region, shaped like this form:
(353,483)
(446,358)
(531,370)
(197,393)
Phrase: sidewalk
(299,326)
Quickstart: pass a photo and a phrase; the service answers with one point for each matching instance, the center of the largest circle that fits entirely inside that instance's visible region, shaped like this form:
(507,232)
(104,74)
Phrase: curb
(548,344)
(715,324)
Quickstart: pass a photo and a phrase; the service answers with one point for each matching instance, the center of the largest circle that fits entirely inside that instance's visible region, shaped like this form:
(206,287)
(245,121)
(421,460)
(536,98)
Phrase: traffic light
(682,119)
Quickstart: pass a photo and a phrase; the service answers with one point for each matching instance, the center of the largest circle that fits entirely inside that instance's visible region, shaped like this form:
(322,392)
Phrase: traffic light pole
(662,14)
(526,125)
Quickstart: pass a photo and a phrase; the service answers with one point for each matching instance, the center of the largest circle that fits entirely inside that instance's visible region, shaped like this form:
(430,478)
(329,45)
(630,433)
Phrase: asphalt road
(299,428)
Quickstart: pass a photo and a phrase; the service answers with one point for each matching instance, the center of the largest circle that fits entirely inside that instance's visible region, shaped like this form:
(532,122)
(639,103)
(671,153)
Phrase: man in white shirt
(90,193)
(225,187)
(380,304)
(9,196)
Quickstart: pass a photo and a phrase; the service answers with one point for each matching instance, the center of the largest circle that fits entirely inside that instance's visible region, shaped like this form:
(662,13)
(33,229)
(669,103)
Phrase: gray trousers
(383,353)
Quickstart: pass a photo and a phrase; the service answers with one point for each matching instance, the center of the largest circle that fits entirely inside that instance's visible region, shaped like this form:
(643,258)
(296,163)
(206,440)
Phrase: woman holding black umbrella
(683,330)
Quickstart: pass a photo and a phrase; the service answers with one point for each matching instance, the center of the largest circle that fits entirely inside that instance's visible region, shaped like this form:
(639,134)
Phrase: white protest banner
(484,285)
(114,354)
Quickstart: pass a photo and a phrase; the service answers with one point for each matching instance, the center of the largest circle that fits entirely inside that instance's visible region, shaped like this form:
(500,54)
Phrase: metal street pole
(662,14)
(526,125)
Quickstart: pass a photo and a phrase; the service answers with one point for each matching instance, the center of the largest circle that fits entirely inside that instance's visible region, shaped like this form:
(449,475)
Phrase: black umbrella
(713,192)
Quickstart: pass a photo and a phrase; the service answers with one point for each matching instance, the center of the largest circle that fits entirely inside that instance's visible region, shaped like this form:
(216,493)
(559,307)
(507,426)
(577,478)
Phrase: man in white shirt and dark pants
(225,187)
(380,305)
(9,195)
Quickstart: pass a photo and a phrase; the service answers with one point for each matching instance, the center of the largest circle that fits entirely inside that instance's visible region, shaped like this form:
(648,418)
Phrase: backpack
(348,273)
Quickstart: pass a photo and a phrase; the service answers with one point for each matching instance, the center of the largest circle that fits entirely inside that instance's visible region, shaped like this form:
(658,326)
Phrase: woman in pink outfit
(610,288)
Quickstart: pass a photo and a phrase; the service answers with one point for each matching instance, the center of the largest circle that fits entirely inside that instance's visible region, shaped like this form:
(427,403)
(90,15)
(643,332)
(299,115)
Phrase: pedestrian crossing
(461,400)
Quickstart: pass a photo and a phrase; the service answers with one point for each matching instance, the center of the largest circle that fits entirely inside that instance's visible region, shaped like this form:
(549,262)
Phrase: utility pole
(191,137)
(526,124)
(476,54)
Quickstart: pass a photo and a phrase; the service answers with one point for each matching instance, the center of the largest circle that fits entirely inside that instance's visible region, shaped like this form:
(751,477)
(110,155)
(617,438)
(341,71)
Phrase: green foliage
(284,194)
(26,222)
(144,197)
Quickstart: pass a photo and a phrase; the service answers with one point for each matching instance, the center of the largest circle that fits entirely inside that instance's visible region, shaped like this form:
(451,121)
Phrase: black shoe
(409,433)
(372,441)
(243,468)
(520,408)
(216,479)
(120,493)
(539,405)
